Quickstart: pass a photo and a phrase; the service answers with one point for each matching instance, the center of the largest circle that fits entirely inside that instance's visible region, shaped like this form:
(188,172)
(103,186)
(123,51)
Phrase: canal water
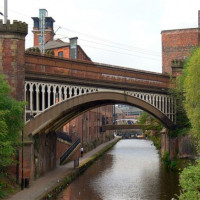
(131,170)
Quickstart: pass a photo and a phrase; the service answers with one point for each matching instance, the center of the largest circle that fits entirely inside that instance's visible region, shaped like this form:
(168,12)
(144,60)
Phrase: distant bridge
(123,126)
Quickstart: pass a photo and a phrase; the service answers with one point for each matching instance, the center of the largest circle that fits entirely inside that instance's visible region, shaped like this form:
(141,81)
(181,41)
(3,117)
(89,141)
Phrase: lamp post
(82,130)
(22,177)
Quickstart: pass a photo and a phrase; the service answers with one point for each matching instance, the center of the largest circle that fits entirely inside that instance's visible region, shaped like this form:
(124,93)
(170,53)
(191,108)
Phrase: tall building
(43,19)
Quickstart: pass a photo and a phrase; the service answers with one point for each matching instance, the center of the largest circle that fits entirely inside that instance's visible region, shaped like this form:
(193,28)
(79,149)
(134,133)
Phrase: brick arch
(58,115)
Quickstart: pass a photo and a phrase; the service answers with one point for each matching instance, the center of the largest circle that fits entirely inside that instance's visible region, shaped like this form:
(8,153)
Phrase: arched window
(60,54)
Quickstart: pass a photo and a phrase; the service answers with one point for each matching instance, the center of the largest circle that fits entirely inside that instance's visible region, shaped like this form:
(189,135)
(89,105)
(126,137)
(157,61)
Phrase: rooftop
(54,44)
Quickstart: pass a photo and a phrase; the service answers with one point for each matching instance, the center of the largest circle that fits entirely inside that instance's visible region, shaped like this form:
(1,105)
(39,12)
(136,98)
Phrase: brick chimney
(199,18)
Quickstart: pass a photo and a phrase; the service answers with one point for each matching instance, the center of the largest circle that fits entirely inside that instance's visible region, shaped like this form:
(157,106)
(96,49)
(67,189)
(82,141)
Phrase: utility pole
(5,11)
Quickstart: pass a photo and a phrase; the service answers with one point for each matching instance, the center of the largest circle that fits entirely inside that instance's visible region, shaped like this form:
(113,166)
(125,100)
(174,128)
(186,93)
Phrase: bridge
(63,86)
(123,126)
(58,90)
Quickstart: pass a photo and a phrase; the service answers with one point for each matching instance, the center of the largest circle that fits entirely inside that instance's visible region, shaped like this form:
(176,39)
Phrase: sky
(124,33)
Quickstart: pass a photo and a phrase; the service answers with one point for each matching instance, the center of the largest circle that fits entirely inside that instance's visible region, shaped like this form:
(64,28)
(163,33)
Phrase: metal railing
(69,151)
(64,136)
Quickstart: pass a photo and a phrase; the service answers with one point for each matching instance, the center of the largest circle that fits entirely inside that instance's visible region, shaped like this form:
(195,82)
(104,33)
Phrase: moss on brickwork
(16,27)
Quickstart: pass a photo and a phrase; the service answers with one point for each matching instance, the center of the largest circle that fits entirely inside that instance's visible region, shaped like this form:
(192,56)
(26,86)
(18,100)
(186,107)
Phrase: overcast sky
(124,33)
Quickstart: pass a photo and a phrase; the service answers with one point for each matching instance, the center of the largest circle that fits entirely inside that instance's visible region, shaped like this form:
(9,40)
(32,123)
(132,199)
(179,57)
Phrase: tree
(190,176)
(11,123)
(151,124)
(191,87)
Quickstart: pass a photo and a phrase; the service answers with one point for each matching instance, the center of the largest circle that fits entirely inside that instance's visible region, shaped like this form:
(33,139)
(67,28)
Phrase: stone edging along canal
(76,172)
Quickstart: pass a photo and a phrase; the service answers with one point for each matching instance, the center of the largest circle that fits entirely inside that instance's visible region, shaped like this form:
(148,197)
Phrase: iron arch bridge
(53,104)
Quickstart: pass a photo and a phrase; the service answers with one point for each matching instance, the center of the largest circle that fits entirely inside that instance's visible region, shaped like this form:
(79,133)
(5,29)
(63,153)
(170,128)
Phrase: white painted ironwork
(41,95)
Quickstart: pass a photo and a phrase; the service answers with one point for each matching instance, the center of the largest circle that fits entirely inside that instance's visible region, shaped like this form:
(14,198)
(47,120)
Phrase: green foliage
(179,131)
(36,50)
(191,88)
(33,50)
(169,163)
(7,185)
(182,120)
(156,141)
(10,125)
(190,182)
(49,52)
(150,122)
(166,159)
(190,176)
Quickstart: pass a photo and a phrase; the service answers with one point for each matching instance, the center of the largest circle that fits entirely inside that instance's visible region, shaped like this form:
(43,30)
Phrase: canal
(131,170)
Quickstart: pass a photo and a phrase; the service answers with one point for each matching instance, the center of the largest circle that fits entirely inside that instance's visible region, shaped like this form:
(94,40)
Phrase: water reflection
(130,171)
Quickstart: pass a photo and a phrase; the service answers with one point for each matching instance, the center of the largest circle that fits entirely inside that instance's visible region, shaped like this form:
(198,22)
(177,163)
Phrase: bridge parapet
(43,68)
(165,103)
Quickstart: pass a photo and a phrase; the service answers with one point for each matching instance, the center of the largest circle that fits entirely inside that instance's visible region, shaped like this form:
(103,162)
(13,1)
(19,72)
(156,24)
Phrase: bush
(168,163)
(11,123)
(190,182)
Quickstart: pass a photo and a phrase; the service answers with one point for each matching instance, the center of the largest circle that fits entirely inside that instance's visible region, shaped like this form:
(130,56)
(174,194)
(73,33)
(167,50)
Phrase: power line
(108,41)
(115,46)
(121,53)
(137,49)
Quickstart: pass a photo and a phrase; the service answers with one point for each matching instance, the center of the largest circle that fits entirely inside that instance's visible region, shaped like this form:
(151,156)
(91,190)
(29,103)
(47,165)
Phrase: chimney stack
(73,47)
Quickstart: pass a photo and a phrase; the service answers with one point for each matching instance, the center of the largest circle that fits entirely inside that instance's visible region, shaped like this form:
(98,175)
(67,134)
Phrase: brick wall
(65,51)
(35,39)
(87,126)
(177,44)
(82,55)
(177,146)
(44,153)
(94,72)
(61,147)
(48,36)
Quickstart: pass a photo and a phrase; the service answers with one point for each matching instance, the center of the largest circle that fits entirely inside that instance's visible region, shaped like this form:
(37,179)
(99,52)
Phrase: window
(60,54)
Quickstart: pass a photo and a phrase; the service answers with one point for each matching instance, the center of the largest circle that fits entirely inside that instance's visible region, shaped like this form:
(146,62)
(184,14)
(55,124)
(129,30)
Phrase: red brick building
(61,49)
(177,44)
